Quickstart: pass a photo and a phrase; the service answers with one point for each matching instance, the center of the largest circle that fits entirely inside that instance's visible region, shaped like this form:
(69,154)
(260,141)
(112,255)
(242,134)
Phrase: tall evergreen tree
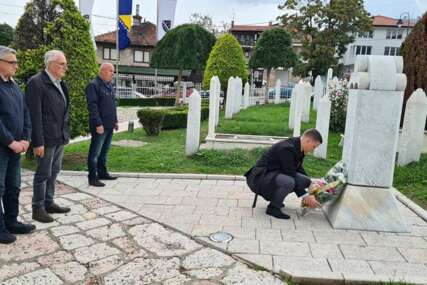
(7,33)
(184,47)
(31,27)
(225,60)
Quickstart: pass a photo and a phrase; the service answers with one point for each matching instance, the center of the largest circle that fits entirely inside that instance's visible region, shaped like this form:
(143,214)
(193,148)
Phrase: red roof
(384,21)
(251,28)
(140,35)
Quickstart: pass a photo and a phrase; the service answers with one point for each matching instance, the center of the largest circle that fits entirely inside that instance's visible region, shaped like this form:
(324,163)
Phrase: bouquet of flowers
(329,187)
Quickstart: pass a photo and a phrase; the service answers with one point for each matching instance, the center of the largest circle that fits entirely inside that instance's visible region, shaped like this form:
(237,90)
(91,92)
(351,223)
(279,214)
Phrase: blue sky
(243,11)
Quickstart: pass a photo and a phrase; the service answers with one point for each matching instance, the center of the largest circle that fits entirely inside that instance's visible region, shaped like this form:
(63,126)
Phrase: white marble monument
(322,125)
(299,101)
(328,80)
(414,122)
(193,124)
(306,102)
(246,94)
(277,92)
(318,91)
(230,100)
(370,145)
(213,110)
(238,88)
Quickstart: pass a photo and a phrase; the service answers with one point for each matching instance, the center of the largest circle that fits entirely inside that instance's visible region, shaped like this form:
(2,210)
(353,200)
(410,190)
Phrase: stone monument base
(366,208)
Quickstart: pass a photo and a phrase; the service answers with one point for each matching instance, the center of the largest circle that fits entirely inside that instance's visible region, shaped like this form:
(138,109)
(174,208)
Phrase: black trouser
(285,185)
(10,186)
(47,170)
(98,150)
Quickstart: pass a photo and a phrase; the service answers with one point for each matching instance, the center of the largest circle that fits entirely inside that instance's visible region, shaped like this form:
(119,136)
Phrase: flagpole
(117,48)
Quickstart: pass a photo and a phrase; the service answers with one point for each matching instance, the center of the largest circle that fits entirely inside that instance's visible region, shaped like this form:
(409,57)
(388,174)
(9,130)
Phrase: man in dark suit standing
(15,129)
(48,102)
(279,172)
(101,105)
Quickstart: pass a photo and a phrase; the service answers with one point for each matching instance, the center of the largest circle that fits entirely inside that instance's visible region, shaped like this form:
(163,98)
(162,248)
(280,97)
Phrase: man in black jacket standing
(101,105)
(15,129)
(279,172)
(48,102)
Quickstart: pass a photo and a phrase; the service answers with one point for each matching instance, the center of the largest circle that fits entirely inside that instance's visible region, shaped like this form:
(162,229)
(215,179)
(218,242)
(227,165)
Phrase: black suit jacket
(49,113)
(284,157)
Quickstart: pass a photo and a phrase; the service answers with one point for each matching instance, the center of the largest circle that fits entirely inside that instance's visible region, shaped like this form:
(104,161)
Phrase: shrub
(339,98)
(176,118)
(151,120)
(146,102)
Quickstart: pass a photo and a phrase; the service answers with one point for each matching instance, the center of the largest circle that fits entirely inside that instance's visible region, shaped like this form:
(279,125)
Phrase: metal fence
(257,95)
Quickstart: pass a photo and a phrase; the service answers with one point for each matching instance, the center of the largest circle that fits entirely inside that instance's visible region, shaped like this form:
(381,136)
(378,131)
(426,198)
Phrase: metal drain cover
(221,237)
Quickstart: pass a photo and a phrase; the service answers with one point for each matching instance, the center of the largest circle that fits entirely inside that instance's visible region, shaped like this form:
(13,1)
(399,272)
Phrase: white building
(385,39)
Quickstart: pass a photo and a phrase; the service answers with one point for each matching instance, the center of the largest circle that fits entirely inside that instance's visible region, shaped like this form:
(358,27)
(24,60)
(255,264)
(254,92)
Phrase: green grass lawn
(165,153)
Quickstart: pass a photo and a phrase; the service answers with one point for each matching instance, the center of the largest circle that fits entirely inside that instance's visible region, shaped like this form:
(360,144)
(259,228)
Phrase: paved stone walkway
(306,248)
(101,243)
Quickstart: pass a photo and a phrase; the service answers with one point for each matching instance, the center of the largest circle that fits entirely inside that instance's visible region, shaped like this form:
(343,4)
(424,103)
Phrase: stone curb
(411,205)
(164,175)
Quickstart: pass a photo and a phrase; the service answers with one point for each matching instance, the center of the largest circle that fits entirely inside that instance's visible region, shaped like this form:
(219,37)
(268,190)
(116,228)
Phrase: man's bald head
(106,71)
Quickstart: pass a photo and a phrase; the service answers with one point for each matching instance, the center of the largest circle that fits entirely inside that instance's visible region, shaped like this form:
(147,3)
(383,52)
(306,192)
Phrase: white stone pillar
(292,107)
(193,124)
(246,95)
(411,139)
(218,99)
(299,101)
(318,91)
(370,145)
(229,104)
(306,102)
(277,92)
(322,125)
(328,80)
(212,108)
(184,93)
(238,88)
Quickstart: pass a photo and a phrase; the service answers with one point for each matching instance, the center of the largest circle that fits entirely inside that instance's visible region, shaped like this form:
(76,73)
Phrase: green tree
(31,27)
(69,32)
(325,29)
(225,60)
(6,34)
(273,50)
(204,21)
(184,47)
(414,52)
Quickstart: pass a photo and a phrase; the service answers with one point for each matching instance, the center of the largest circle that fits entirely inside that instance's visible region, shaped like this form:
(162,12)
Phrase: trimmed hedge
(174,118)
(146,102)
(151,120)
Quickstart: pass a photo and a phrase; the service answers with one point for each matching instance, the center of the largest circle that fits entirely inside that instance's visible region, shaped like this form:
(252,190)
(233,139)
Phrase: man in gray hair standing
(15,129)
(48,102)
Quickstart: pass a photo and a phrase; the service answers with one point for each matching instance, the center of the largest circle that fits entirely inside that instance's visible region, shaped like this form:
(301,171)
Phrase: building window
(141,56)
(393,51)
(109,53)
(366,35)
(363,50)
(393,34)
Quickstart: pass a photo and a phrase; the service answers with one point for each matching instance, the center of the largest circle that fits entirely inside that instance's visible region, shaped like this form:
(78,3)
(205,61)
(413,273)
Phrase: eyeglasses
(63,64)
(9,61)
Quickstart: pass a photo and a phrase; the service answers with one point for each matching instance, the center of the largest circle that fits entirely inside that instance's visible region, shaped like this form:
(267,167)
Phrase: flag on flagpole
(125,23)
(165,16)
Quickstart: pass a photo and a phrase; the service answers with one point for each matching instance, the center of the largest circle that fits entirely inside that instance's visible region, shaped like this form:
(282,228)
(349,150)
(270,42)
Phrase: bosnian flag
(125,22)
(165,16)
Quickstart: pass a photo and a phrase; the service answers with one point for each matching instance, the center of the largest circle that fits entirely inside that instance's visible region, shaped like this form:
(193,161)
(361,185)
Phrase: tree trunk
(267,85)
(178,88)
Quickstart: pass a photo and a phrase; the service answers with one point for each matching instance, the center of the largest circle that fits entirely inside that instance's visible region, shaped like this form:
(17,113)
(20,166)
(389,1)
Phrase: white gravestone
(184,93)
(318,92)
(212,107)
(218,99)
(292,107)
(328,80)
(246,95)
(411,140)
(299,101)
(229,104)
(306,102)
(277,92)
(322,125)
(193,124)
(370,144)
(238,88)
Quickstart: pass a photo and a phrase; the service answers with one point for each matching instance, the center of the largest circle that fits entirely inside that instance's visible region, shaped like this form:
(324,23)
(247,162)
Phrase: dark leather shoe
(276,212)
(40,215)
(6,237)
(20,228)
(107,177)
(96,183)
(56,209)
